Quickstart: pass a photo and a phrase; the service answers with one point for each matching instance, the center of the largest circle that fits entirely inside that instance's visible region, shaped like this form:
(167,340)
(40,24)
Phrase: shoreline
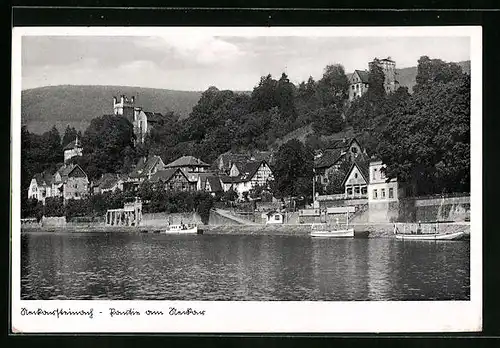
(366,230)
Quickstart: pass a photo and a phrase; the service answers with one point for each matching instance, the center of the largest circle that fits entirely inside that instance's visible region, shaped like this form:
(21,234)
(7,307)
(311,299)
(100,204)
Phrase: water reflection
(216,267)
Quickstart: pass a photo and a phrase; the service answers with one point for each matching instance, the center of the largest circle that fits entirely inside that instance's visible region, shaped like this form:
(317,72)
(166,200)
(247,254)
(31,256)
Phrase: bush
(54,206)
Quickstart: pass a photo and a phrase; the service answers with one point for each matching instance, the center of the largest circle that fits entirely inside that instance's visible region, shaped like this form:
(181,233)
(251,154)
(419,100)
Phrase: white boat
(181,229)
(336,230)
(325,230)
(422,233)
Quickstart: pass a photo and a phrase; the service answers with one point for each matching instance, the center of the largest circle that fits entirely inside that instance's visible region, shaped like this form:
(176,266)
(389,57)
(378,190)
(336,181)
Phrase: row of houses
(238,172)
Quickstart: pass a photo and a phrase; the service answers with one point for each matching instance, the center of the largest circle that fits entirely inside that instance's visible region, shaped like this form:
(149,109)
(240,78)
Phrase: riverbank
(371,230)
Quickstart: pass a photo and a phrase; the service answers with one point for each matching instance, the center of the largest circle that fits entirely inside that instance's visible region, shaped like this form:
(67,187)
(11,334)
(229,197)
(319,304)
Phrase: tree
(328,120)
(432,71)
(107,143)
(293,170)
(333,88)
(70,134)
(427,140)
(376,91)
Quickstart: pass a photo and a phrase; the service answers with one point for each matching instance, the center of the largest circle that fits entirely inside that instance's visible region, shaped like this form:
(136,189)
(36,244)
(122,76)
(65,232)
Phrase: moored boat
(422,233)
(324,230)
(334,231)
(181,229)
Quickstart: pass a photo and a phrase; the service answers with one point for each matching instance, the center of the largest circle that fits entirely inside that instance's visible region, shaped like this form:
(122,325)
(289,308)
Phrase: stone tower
(389,68)
(125,107)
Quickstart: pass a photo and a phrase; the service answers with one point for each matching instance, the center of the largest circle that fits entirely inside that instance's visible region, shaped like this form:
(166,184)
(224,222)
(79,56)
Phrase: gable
(77,172)
(355,176)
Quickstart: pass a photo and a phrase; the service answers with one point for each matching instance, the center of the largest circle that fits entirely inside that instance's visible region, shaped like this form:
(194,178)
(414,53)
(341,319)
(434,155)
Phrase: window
(374,173)
(356,190)
(276,217)
(391,192)
(375,194)
(383,193)
(354,149)
(382,175)
(355,175)
(349,190)
(364,190)
(352,87)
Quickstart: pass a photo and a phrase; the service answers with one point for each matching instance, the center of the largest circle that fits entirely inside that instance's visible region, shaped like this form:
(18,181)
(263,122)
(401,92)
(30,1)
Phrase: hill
(43,107)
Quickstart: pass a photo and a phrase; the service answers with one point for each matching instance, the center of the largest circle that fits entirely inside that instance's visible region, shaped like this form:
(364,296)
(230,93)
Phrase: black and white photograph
(193,170)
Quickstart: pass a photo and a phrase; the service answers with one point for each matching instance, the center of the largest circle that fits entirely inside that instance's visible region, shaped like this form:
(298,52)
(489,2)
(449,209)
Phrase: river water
(126,266)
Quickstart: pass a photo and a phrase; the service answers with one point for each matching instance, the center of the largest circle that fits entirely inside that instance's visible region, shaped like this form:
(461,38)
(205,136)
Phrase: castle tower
(125,107)
(388,66)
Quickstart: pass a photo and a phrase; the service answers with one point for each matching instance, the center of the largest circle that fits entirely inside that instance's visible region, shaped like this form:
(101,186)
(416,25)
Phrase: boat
(181,229)
(326,230)
(432,233)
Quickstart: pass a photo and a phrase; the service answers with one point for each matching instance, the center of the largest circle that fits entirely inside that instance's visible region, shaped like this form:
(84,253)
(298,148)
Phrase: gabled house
(173,179)
(70,182)
(224,162)
(245,176)
(357,180)
(41,186)
(190,164)
(358,84)
(329,160)
(146,168)
(109,182)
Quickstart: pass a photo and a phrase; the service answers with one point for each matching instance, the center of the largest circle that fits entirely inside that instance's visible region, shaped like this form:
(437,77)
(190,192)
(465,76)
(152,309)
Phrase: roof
(66,169)
(363,165)
(247,169)
(43,179)
(228,158)
(329,158)
(215,185)
(226,179)
(202,177)
(363,75)
(72,145)
(187,161)
(163,175)
(109,180)
(154,116)
(144,167)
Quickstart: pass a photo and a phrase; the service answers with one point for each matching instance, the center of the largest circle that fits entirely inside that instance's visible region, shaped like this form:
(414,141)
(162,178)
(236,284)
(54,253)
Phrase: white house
(356,181)
(378,188)
(40,186)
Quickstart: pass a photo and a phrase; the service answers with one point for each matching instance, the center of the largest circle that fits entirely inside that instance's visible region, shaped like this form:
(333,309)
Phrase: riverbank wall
(370,230)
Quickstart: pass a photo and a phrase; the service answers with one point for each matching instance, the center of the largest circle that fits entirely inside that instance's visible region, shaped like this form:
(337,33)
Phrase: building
(357,180)
(109,182)
(245,176)
(379,189)
(143,121)
(146,168)
(358,84)
(329,160)
(40,186)
(358,81)
(274,217)
(190,164)
(73,149)
(226,160)
(70,182)
(173,179)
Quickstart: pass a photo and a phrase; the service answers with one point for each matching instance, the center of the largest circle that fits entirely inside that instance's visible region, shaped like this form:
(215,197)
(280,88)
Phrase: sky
(196,62)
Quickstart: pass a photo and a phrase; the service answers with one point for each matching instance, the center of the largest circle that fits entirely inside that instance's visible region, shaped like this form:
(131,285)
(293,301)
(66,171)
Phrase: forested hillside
(76,106)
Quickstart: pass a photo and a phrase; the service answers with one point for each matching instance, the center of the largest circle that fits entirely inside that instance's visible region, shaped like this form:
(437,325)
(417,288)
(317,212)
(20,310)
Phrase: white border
(255,316)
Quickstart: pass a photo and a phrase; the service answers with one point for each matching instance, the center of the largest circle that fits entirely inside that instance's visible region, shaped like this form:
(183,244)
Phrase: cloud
(199,49)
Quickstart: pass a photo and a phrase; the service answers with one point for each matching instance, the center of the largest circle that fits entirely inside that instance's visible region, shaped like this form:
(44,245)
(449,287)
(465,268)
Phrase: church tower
(125,107)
